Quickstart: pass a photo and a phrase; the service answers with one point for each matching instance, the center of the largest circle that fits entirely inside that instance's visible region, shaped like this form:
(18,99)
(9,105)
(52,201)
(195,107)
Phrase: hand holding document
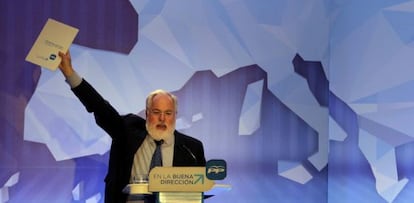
(54,37)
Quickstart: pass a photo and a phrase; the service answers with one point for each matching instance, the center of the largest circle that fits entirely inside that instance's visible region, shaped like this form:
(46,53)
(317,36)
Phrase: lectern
(176,185)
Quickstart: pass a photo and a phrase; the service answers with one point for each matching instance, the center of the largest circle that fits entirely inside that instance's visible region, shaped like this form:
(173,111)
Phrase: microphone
(190,153)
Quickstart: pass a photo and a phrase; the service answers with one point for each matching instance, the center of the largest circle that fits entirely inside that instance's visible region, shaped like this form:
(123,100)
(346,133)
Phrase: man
(133,138)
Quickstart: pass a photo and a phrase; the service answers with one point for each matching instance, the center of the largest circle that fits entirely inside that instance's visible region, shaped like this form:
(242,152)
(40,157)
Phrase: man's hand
(66,64)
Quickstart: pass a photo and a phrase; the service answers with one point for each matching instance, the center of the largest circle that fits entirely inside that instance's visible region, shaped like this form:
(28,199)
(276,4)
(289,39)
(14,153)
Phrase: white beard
(159,134)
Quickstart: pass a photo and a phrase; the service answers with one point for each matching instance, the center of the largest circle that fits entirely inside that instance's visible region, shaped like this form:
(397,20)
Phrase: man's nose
(162,116)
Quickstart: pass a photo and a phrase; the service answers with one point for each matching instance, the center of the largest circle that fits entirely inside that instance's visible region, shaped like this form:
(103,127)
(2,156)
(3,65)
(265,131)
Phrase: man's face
(161,117)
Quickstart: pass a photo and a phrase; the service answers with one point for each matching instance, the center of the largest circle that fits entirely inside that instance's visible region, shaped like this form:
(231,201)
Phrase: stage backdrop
(307,101)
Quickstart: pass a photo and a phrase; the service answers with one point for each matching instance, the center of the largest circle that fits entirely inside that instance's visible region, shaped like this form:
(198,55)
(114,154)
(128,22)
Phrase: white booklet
(54,37)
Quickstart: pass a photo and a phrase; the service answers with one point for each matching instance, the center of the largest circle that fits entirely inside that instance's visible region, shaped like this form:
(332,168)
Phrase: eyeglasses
(157,112)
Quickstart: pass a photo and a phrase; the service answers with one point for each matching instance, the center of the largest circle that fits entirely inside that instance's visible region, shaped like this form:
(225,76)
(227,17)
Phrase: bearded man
(135,139)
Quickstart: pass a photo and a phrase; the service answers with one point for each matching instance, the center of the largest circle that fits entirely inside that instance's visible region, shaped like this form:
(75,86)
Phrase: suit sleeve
(105,115)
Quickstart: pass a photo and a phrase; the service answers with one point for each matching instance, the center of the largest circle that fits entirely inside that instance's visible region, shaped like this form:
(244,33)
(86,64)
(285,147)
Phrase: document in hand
(54,37)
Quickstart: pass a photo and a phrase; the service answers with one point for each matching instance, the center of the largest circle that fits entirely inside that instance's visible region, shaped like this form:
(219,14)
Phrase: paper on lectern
(54,37)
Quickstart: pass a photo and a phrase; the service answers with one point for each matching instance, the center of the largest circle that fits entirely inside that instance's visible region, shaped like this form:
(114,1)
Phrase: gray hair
(157,92)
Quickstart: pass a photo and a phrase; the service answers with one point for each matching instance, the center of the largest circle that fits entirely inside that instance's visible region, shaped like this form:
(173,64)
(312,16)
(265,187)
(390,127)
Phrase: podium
(175,185)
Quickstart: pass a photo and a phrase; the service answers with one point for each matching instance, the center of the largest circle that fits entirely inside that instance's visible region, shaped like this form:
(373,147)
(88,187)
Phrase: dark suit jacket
(127,133)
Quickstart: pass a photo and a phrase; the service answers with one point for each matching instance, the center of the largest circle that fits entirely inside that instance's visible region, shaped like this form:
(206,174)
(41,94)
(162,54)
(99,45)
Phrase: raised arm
(105,115)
